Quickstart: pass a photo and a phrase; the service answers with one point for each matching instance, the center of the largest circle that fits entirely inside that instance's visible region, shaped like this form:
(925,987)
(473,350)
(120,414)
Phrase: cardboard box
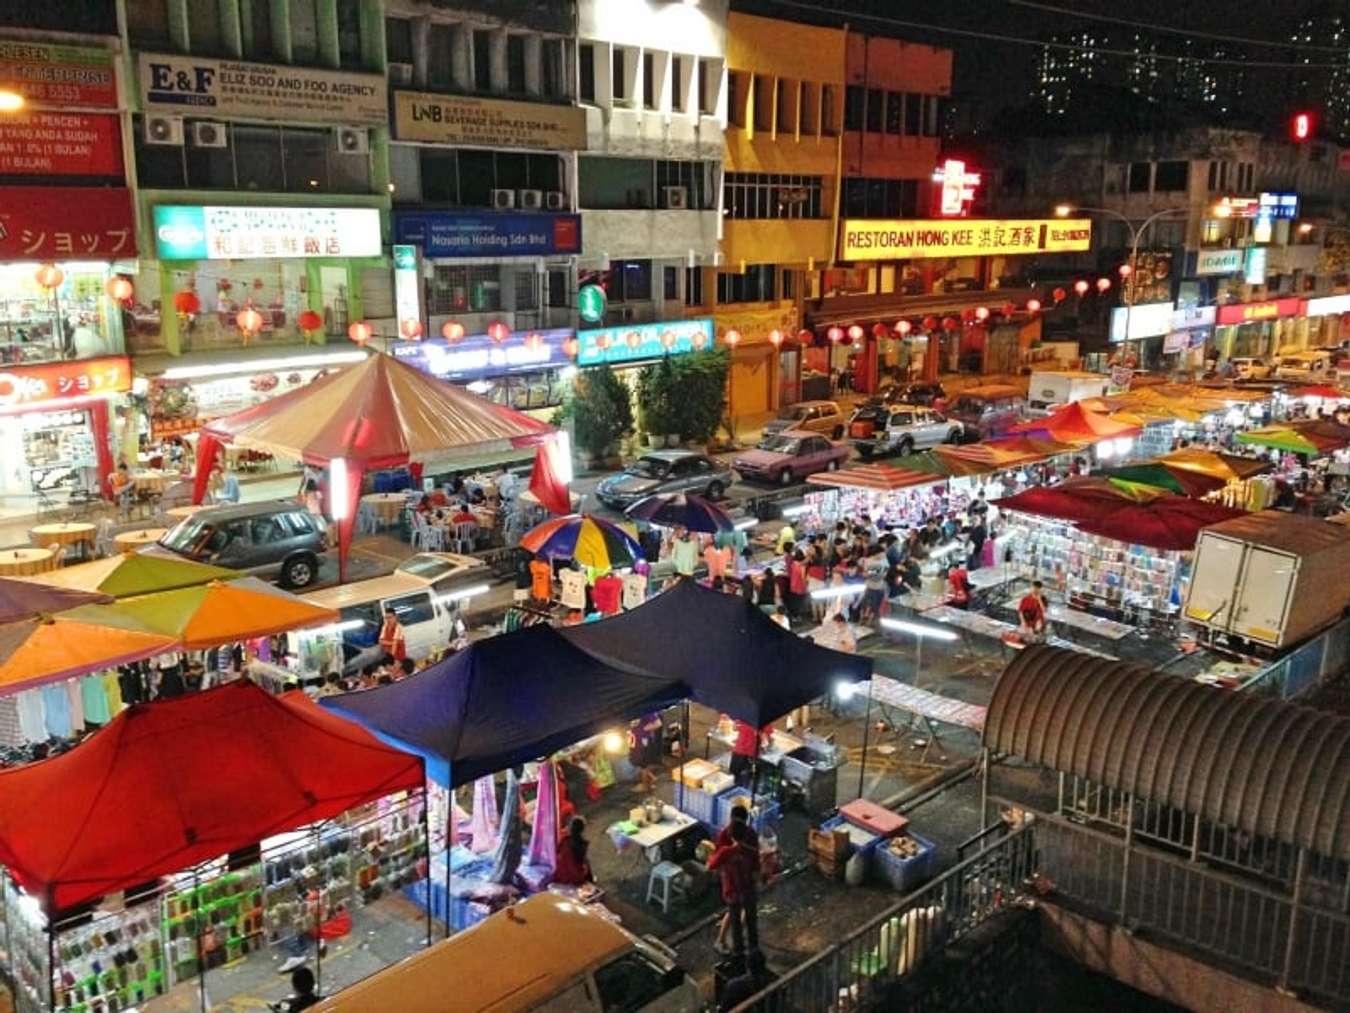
(832,845)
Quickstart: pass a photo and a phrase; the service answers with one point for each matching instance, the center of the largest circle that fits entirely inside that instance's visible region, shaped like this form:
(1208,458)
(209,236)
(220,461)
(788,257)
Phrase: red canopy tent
(170,784)
(378,414)
(1075,423)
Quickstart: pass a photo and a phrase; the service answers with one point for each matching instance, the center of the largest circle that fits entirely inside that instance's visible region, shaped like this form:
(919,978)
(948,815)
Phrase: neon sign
(956,190)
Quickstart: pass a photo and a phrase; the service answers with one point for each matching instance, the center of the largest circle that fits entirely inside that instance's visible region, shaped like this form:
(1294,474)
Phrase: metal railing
(1300,671)
(857,971)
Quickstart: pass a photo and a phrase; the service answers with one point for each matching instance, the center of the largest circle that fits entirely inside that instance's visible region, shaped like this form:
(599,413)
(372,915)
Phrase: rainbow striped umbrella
(591,541)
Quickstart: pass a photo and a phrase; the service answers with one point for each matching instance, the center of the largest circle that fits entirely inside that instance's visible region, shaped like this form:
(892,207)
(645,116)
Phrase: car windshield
(780,444)
(650,467)
(971,406)
(185,534)
(427,566)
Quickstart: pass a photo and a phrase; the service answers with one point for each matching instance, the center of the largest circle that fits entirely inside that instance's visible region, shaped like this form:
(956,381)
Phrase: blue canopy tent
(503,701)
(730,655)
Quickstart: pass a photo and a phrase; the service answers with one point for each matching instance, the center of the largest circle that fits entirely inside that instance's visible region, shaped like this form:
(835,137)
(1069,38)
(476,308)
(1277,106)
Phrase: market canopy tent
(1158,475)
(48,648)
(877,477)
(503,701)
(20,599)
(377,414)
(682,510)
(132,573)
(1076,424)
(730,655)
(1229,467)
(166,785)
(216,613)
(1312,437)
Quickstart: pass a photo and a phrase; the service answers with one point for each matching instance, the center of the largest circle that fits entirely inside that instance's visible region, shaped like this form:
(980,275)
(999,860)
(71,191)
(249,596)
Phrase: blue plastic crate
(765,812)
(697,803)
(905,874)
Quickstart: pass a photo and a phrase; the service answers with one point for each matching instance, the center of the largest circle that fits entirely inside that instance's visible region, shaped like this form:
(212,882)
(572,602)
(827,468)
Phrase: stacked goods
(827,851)
(904,861)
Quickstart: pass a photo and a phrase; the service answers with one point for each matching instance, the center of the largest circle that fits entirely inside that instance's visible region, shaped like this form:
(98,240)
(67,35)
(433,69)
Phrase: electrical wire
(1169,30)
(971,33)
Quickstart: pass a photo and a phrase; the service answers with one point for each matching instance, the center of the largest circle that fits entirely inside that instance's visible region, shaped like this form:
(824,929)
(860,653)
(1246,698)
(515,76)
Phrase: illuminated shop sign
(477,355)
(866,239)
(632,342)
(195,232)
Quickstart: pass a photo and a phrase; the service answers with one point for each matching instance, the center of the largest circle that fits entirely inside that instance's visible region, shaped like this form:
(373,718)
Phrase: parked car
(986,411)
(790,455)
(276,539)
(906,428)
(817,416)
(665,471)
(928,394)
(1245,368)
(1306,367)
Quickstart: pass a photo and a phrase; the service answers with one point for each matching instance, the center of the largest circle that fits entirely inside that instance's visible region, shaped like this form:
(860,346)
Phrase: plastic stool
(667,879)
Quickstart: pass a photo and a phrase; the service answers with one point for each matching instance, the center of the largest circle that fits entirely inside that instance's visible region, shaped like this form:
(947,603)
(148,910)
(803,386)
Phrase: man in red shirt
(745,749)
(1031,610)
(738,863)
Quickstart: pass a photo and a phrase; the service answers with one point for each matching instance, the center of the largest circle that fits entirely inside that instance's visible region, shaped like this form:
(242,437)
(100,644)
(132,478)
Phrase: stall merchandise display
(902,508)
(25,952)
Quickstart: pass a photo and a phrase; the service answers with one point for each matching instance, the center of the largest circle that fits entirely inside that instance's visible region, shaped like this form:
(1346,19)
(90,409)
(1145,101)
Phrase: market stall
(127,574)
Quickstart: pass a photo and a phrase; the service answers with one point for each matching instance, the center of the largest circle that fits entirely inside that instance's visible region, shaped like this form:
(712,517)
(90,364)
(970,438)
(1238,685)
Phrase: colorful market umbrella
(1319,436)
(1229,467)
(130,574)
(591,541)
(217,613)
(1166,522)
(1158,475)
(1077,499)
(1076,424)
(47,648)
(681,510)
(21,599)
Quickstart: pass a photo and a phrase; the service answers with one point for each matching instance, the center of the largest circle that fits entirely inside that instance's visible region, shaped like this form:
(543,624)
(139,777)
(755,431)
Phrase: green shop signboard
(634,342)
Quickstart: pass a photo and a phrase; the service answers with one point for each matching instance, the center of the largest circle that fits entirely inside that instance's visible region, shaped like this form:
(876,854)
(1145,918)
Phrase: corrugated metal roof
(1259,765)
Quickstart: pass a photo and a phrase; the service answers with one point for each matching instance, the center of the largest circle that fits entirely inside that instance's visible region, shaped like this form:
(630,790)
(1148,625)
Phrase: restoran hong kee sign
(969,237)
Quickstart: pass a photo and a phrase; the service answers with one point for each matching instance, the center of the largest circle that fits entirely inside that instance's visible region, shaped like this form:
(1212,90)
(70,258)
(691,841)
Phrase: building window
(678,86)
(1172,177)
(763,102)
(787,94)
(755,285)
(829,124)
(440,56)
(553,80)
(586,70)
(557,288)
(515,64)
(789,284)
(880,198)
(204,26)
(527,291)
(895,111)
(1213,176)
(707,86)
(1140,173)
(750,195)
(737,93)
(930,116)
(349,34)
(469,289)
(466,178)
(808,108)
(876,107)
(670,283)
(649,80)
(693,286)
(913,110)
(148,23)
(304,31)
(482,61)
(629,281)
(397,36)
(853,107)
(693,177)
(619,74)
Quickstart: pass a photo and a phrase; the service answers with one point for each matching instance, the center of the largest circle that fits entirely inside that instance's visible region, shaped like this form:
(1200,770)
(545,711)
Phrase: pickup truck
(900,429)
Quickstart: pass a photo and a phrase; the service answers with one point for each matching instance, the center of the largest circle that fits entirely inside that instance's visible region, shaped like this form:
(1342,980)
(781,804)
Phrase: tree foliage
(600,407)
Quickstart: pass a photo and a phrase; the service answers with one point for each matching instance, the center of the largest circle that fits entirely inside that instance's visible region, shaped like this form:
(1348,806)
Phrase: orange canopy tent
(380,413)
(48,648)
(1076,424)
(879,477)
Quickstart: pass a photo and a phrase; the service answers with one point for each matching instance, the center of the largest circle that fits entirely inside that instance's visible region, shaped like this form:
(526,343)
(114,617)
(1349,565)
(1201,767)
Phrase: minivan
(986,411)
(1306,367)
(277,539)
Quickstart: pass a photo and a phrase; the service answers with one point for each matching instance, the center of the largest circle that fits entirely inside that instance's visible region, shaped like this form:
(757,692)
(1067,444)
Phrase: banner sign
(1218,262)
(477,355)
(50,381)
(206,87)
(1271,309)
(498,123)
(66,223)
(1145,321)
(1328,304)
(196,232)
(60,144)
(924,238)
(489,234)
(631,342)
(47,75)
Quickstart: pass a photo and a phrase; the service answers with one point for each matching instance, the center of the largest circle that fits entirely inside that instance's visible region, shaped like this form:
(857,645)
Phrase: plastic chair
(427,537)
(667,882)
(103,538)
(463,536)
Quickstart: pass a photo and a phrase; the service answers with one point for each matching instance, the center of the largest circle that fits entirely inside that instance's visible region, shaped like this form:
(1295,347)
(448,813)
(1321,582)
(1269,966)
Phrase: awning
(133,573)
(879,477)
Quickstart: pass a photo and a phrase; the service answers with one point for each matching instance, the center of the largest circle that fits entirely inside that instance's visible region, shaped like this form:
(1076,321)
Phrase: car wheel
(299,572)
(714,490)
(906,447)
(785,477)
(837,433)
(953,436)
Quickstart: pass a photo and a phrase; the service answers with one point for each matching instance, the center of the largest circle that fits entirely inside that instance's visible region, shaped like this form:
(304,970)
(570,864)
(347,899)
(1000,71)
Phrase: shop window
(895,111)
(853,107)
(204,26)
(398,39)
(553,76)
(586,71)
(473,288)
(670,284)
(737,92)
(763,102)
(29,330)
(304,31)
(876,106)
(482,61)
(515,64)
(693,286)
(1172,177)
(678,85)
(1141,174)
(913,113)
(526,289)
(147,24)
(349,34)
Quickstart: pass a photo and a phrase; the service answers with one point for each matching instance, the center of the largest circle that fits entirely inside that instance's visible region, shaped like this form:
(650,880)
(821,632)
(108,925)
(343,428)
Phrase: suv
(817,416)
(905,428)
(664,471)
(277,539)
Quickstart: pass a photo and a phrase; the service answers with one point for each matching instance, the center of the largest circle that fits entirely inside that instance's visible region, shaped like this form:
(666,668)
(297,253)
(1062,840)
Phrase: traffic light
(1301,126)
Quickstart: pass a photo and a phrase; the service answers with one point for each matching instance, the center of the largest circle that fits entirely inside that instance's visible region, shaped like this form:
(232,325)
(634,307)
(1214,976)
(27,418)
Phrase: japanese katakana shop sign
(29,385)
(66,223)
(208,88)
(195,232)
(969,237)
(47,75)
(60,144)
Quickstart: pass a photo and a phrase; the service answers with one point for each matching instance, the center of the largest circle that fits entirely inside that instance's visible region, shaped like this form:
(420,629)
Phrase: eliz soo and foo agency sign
(967,237)
(205,87)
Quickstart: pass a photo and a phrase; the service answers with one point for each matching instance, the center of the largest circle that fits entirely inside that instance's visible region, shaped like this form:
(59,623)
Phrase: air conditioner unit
(352,140)
(401,74)
(503,199)
(163,130)
(532,199)
(676,197)
(210,135)
(555,200)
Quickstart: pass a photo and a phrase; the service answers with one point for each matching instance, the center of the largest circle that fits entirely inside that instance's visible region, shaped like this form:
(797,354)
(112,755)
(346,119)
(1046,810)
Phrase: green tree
(600,407)
(656,398)
(700,392)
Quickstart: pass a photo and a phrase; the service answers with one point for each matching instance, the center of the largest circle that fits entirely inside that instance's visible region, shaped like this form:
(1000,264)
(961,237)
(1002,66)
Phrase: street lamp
(1136,233)
(11,101)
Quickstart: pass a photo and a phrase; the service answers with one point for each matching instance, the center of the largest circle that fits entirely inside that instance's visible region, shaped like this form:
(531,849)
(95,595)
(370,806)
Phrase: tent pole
(451,832)
(51,950)
(426,840)
(684,748)
(318,920)
(197,926)
(867,728)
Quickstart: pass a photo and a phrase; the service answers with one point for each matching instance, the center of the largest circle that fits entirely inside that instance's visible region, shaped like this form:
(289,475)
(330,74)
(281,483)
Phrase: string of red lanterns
(310,321)
(360,332)
(249,321)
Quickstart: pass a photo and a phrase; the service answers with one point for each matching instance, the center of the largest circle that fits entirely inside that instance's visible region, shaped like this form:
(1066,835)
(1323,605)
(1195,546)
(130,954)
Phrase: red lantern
(1103,284)
(879,330)
(49,276)
(570,347)
(981,313)
(1033,305)
(498,331)
(806,336)
(309,321)
(119,288)
(602,342)
(1081,287)
(250,321)
(359,332)
(732,337)
(855,332)
(903,327)
(950,324)
(776,337)
(930,324)
(1009,309)
(1125,270)
(452,331)
(967,315)
(668,340)
(835,334)
(410,329)
(534,341)
(186,303)
(633,339)
(1059,294)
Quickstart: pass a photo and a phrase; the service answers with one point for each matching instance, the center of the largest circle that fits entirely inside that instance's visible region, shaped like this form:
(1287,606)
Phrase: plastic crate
(765,812)
(905,874)
(697,803)
(872,840)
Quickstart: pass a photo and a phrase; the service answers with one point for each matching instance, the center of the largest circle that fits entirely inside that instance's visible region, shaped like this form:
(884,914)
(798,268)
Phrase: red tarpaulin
(170,784)
(1076,424)
(1168,522)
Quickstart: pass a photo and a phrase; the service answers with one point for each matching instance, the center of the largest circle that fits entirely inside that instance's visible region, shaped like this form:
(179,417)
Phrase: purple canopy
(27,599)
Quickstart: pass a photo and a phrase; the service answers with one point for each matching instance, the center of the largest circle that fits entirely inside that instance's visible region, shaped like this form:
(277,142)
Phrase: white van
(424,593)
(1052,388)
(1306,367)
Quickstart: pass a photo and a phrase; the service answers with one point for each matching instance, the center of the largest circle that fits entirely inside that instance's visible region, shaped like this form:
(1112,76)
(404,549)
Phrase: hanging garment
(76,703)
(544,835)
(484,815)
(634,590)
(95,700)
(11,734)
(112,689)
(31,720)
(573,594)
(506,859)
(56,710)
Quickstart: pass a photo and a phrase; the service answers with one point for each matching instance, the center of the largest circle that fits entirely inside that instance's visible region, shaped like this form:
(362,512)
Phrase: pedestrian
(978,534)
(1031,611)
(744,751)
(392,637)
(797,583)
(738,863)
(717,558)
(574,867)
(739,815)
(303,994)
(684,554)
(958,582)
(874,594)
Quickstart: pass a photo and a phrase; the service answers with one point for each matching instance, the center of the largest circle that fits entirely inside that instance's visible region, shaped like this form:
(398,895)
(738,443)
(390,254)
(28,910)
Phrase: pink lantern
(903,327)
(1081,287)
(452,331)
(835,334)
(981,313)
(732,337)
(498,331)
(410,329)
(360,332)
(1103,284)
(776,338)
(1033,305)
(855,332)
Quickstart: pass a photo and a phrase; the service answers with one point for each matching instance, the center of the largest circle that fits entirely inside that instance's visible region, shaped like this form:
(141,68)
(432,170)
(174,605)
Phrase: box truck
(1269,579)
(1047,387)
